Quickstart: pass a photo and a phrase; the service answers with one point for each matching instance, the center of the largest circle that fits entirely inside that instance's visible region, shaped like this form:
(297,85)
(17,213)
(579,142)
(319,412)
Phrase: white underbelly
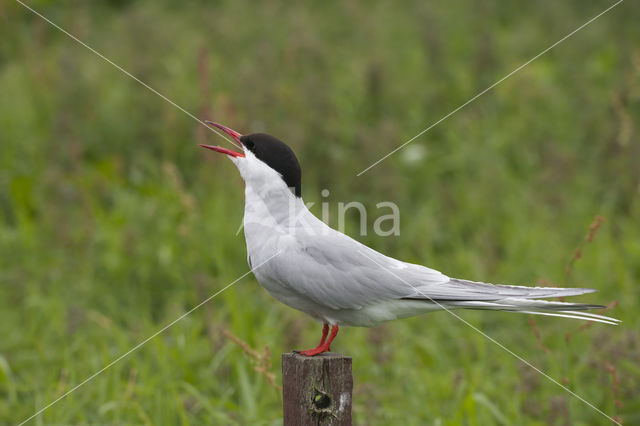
(368,316)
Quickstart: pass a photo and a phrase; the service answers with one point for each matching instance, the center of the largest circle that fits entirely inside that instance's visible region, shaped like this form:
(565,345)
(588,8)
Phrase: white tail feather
(537,307)
(561,314)
(588,314)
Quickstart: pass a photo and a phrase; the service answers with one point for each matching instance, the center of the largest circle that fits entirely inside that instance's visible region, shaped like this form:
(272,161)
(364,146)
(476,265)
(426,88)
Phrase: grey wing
(341,273)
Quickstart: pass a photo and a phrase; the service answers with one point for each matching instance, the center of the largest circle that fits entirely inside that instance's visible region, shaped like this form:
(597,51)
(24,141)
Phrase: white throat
(271,208)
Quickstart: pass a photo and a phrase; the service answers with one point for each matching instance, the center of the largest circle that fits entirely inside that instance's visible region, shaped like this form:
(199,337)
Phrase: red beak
(235,135)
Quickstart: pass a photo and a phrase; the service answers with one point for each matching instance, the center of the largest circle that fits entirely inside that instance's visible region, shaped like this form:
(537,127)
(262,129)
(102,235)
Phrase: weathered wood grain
(316,390)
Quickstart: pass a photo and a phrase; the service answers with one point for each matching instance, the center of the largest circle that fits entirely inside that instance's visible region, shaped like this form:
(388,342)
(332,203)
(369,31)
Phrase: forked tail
(536,307)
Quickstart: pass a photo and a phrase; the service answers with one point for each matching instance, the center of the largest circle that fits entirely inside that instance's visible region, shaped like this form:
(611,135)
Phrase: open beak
(235,135)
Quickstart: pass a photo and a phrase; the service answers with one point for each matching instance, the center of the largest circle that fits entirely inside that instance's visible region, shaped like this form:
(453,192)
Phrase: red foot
(325,344)
(315,351)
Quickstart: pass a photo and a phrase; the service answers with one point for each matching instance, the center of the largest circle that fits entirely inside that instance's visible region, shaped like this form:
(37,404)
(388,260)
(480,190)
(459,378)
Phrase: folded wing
(336,271)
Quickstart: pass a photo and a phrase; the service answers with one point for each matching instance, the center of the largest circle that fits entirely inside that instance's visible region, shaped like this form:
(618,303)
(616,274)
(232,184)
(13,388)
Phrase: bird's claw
(314,351)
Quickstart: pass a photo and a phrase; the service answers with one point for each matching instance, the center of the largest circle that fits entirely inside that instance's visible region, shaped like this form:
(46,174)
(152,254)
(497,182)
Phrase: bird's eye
(248,144)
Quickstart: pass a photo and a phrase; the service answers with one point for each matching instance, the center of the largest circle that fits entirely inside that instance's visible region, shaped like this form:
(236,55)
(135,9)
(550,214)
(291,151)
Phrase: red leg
(334,333)
(325,331)
(325,345)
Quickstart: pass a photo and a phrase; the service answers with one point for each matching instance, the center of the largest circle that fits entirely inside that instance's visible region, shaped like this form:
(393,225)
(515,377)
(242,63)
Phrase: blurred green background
(113,222)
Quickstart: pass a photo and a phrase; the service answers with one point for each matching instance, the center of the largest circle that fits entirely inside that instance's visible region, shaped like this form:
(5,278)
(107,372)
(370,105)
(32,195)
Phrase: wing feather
(337,271)
(331,270)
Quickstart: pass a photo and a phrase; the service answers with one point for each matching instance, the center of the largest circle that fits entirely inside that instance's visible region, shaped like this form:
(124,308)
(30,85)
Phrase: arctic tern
(311,267)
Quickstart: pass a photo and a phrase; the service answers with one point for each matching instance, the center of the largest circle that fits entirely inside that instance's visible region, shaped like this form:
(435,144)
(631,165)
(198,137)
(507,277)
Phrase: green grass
(113,223)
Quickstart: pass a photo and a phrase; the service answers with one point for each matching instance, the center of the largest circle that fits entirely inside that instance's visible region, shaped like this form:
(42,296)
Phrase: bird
(311,267)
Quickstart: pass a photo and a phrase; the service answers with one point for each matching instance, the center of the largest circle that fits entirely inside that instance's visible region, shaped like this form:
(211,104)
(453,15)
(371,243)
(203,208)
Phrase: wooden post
(316,390)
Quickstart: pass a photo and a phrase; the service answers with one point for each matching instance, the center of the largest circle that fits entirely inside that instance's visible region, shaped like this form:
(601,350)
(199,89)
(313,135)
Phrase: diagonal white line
(491,87)
(496,342)
(136,347)
(125,71)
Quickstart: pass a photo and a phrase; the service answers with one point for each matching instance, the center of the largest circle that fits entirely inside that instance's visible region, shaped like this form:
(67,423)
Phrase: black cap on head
(277,155)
